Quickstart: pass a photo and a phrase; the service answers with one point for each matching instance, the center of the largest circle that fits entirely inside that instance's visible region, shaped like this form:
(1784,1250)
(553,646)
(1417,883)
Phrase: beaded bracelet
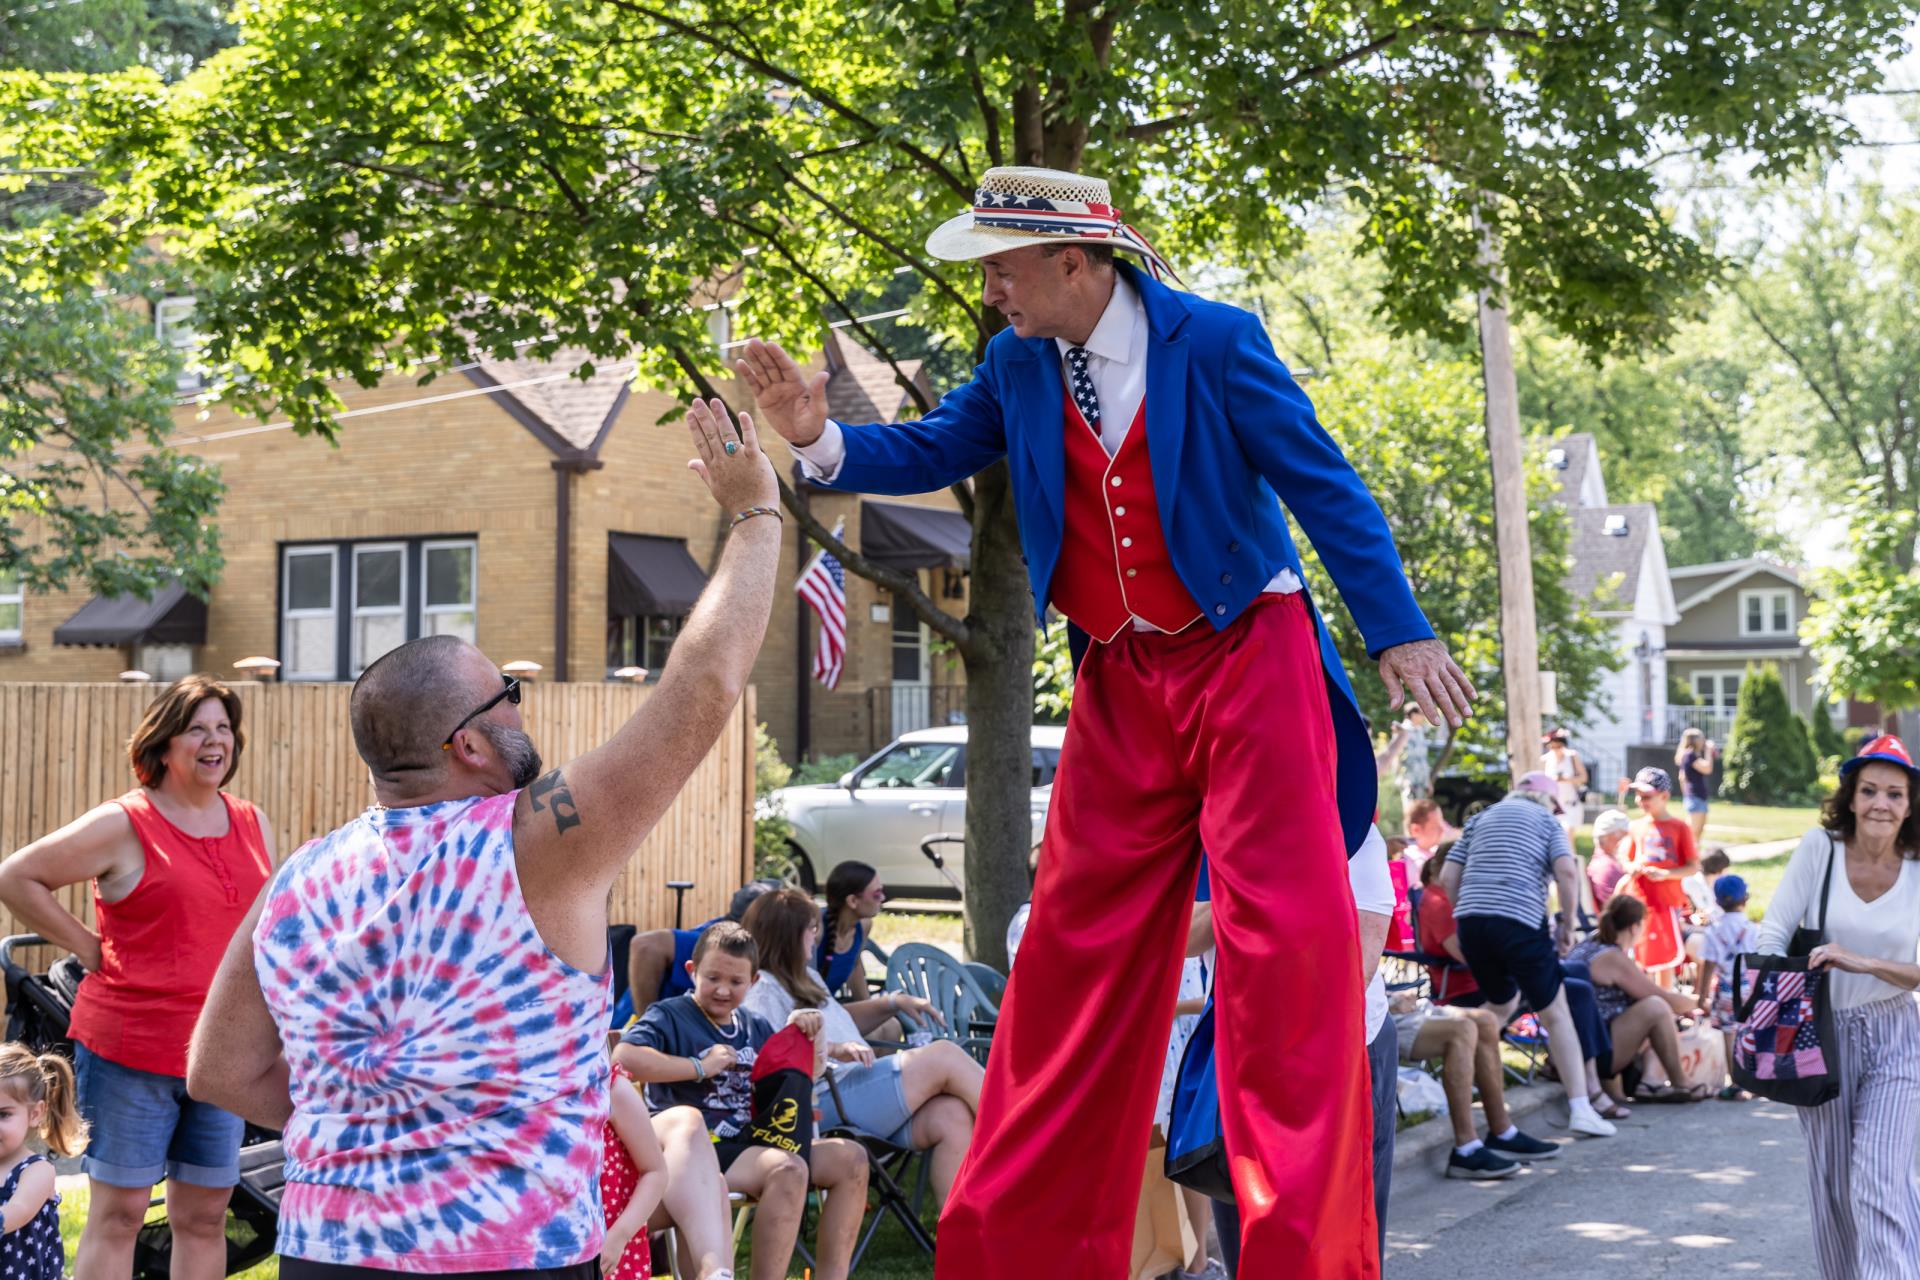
(751,512)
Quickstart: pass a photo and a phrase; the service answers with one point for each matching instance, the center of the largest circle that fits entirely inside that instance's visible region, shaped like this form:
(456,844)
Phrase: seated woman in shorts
(922,1098)
(1638,1012)
(697,1051)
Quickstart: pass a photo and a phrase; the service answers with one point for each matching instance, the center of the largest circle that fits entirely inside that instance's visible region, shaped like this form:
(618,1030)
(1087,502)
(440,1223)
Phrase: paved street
(1711,1189)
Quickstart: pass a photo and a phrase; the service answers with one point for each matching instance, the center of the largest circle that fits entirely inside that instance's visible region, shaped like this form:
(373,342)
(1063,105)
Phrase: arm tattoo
(553,789)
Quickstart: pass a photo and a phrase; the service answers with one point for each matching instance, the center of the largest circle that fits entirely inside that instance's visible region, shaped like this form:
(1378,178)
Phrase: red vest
(1114,564)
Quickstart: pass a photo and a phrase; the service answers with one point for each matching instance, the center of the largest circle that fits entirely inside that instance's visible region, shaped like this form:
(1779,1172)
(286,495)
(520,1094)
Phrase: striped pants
(1861,1147)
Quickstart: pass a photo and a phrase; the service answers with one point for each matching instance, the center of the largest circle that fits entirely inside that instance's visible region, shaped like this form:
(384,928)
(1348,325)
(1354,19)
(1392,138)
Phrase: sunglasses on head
(511,693)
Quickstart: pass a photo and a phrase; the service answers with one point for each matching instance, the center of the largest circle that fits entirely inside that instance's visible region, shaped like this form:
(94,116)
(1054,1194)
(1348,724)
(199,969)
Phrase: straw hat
(1014,207)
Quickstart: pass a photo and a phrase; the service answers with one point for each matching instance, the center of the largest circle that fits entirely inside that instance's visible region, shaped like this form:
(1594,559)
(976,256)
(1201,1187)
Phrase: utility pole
(1519,635)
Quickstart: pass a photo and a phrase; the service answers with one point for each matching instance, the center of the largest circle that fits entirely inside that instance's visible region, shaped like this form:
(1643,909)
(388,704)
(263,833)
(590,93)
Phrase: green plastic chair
(945,983)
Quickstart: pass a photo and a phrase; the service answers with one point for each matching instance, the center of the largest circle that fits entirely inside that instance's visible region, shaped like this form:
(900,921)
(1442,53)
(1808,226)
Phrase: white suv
(881,811)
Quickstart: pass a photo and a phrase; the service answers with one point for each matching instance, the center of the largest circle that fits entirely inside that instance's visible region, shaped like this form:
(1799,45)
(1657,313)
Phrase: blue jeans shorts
(876,1101)
(145,1128)
(1695,804)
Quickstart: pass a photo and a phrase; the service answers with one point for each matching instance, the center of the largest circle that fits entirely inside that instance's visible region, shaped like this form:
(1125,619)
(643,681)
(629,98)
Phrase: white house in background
(1619,565)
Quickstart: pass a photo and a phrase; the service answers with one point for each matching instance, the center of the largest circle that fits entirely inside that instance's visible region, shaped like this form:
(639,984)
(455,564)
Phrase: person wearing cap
(1731,934)
(1559,761)
(1860,1146)
(1496,875)
(1152,438)
(1608,865)
(1663,856)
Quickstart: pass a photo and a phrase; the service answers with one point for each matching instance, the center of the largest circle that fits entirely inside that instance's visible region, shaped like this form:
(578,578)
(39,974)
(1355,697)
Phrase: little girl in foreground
(633,1177)
(36,1096)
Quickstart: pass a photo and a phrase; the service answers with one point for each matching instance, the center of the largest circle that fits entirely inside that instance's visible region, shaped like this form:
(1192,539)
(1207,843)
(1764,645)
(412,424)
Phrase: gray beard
(516,751)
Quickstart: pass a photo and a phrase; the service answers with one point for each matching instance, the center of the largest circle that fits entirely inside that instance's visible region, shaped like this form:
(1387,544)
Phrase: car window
(1045,763)
(913,764)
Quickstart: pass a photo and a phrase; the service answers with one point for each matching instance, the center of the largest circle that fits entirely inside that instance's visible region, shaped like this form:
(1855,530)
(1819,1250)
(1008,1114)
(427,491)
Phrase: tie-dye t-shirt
(449,1075)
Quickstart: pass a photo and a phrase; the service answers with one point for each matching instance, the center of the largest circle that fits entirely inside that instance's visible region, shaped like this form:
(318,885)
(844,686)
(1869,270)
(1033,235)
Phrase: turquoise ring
(732,447)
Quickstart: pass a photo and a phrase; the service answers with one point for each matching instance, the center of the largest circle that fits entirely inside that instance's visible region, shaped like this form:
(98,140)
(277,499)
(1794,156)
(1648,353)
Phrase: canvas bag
(1196,1145)
(1784,1047)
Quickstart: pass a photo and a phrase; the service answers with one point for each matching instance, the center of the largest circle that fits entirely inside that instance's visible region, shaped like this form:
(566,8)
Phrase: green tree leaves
(1768,760)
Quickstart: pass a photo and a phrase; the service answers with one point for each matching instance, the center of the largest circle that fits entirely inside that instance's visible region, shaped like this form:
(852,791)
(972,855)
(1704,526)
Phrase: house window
(1719,689)
(448,606)
(1766,613)
(13,603)
(379,602)
(641,642)
(309,622)
(173,326)
(164,662)
(344,605)
(909,644)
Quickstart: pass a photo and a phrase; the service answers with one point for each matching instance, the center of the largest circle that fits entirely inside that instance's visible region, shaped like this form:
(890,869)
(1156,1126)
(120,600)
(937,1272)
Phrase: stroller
(39,1008)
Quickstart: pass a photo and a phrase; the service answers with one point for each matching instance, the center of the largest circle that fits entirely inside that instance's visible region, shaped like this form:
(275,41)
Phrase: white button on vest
(1131,572)
(1119,511)
(1126,542)
(1116,482)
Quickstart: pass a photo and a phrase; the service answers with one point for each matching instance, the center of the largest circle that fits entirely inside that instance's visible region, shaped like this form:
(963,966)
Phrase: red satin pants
(1178,742)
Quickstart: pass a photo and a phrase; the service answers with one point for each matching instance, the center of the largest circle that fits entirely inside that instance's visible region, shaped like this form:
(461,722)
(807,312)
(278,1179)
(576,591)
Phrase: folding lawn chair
(886,1165)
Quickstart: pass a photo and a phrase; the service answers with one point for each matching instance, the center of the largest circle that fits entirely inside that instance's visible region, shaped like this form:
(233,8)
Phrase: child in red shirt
(1663,855)
(633,1177)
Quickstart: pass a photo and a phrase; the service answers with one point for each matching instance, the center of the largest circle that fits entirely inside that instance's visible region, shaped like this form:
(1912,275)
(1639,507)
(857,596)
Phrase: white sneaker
(1587,1121)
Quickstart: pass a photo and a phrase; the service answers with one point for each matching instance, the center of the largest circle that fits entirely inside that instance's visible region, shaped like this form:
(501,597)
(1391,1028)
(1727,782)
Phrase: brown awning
(650,575)
(908,537)
(171,617)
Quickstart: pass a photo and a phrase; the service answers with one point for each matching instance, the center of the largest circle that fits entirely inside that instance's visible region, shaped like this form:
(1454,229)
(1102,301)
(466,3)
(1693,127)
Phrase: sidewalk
(1739,853)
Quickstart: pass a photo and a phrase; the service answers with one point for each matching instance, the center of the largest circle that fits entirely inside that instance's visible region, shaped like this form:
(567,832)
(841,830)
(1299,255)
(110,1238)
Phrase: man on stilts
(1152,437)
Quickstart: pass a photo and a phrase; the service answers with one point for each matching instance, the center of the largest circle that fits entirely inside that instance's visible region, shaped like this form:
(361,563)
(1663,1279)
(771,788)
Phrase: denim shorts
(145,1128)
(1695,804)
(876,1101)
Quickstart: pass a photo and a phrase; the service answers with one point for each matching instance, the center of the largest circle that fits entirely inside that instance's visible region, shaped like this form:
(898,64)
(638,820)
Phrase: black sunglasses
(511,693)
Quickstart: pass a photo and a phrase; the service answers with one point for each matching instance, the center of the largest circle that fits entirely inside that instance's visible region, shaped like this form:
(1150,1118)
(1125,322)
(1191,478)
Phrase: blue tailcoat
(1228,431)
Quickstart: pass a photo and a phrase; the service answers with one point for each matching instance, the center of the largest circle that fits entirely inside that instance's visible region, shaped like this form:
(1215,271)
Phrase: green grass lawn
(1757,824)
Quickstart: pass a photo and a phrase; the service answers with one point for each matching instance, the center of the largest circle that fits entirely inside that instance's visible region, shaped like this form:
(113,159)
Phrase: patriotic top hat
(1015,206)
(1887,749)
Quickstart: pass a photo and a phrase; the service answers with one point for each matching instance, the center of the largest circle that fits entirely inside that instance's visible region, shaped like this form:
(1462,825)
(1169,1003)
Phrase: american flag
(824,587)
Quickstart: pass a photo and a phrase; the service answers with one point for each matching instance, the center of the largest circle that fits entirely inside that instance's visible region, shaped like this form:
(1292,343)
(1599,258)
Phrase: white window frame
(355,666)
(1767,596)
(173,327)
(289,614)
(472,606)
(1719,676)
(15,594)
(895,635)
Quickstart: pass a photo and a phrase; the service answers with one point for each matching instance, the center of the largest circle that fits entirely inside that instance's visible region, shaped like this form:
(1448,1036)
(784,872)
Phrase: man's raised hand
(730,461)
(1426,674)
(792,404)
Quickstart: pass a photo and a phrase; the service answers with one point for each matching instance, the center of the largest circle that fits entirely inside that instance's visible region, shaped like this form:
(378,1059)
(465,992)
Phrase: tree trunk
(999,662)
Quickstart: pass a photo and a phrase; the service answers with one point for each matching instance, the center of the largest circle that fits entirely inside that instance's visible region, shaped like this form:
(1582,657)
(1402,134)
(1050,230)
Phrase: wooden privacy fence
(64,751)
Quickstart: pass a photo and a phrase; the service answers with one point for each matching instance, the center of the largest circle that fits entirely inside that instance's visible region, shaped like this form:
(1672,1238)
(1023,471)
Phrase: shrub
(771,830)
(1768,760)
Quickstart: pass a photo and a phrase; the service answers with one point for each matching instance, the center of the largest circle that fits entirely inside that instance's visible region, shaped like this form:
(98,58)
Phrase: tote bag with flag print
(1784,1047)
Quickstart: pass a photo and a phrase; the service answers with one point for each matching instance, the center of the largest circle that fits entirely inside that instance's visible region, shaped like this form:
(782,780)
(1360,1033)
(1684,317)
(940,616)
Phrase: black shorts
(306,1269)
(1506,956)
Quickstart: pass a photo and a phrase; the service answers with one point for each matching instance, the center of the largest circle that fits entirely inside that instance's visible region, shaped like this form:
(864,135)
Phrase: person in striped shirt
(1496,875)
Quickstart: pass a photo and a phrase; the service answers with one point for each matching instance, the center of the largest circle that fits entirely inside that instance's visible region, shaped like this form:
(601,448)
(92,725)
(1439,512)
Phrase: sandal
(1612,1110)
(1734,1093)
(1668,1094)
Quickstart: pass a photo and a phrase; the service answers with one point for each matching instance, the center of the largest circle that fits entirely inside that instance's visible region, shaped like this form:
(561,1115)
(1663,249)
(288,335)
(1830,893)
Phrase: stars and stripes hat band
(1015,206)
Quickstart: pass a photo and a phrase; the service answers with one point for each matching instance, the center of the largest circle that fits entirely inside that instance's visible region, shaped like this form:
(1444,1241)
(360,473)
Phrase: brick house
(546,518)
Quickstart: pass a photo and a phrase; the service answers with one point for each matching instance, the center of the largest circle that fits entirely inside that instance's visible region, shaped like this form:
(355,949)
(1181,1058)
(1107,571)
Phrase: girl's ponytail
(64,1130)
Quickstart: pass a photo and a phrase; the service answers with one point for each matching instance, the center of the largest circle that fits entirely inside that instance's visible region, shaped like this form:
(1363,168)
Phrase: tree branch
(921,267)
(825,98)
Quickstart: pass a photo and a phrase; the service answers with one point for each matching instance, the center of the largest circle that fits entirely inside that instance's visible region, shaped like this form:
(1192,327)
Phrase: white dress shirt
(1117,363)
(1372,887)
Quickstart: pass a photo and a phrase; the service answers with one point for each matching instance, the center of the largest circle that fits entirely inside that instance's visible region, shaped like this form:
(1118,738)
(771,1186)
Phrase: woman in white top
(1860,1146)
(1569,773)
(921,1098)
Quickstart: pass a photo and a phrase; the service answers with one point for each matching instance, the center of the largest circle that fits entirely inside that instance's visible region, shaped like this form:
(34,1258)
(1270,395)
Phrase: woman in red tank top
(175,863)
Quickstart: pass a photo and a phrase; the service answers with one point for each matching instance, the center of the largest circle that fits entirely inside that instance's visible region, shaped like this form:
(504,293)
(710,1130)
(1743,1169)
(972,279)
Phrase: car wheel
(792,868)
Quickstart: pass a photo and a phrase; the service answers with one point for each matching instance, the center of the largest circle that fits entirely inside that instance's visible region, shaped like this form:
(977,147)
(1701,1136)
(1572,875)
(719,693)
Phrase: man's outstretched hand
(790,402)
(1424,672)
